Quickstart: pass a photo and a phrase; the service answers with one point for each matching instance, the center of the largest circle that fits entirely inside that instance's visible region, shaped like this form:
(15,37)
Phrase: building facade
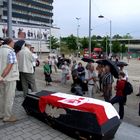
(34,12)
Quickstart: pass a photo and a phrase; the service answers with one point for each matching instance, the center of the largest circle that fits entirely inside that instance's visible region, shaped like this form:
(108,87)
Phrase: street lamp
(89,28)
(110,40)
(78,27)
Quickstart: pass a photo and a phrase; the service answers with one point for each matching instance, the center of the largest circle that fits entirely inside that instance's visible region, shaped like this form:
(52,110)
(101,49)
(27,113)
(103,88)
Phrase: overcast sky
(125,16)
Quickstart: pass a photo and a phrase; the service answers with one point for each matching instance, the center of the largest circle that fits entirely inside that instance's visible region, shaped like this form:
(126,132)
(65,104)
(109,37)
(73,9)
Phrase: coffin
(78,117)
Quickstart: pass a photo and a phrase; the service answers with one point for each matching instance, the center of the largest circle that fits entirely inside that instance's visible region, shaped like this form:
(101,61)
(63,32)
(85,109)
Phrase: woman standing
(81,71)
(65,72)
(120,97)
(47,73)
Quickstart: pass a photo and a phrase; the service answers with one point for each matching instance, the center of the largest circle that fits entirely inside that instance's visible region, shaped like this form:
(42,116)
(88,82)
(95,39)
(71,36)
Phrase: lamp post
(50,36)
(78,27)
(10,18)
(110,29)
(89,28)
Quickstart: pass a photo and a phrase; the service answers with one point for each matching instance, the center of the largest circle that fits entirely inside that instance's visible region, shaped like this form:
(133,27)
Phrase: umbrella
(18,45)
(121,63)
(113,67)
(100,62)
(88,60)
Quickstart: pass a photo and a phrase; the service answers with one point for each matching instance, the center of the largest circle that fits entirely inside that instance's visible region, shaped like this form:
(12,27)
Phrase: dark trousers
(26,80)
(120,100)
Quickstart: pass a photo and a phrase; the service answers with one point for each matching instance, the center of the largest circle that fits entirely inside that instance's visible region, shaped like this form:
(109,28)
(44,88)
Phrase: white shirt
(89,75)
(126,74)
(65,69)
(35,58)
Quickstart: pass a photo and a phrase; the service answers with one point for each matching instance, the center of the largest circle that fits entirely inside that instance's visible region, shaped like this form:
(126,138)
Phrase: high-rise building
(35,12)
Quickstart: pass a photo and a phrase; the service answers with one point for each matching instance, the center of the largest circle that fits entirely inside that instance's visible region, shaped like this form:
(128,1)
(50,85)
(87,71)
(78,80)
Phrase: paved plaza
(29,128)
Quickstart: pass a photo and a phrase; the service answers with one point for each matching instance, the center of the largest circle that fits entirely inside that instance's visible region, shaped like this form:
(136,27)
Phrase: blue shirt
(12,59)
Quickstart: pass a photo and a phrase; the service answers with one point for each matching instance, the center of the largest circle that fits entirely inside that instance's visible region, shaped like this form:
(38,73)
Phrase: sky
(124,14)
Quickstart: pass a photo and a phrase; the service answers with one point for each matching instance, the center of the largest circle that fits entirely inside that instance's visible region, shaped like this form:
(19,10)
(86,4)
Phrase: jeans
(120,100)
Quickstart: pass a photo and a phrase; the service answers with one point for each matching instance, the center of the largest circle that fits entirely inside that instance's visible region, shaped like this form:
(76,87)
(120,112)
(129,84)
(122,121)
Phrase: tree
(71,42)
(84,42)
(117,36)
(54,42)
(124,48)
(104,43)
(127,36)
(116,46)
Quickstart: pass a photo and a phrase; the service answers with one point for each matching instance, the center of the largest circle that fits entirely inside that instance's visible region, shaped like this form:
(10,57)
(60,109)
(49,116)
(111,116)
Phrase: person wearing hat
(8,75)
(25,61)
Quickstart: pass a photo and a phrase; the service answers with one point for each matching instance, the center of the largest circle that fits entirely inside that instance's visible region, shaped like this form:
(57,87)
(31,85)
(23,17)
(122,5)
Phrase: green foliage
(127,36)
(116,47)
(124,48)
(117,36)
(70,42)
(104,43)
(54,42)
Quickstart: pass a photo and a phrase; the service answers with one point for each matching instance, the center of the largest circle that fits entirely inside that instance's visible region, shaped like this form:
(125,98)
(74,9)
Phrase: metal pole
(110,44)
(78,26)
(89,28)
(50,36)
(40,43)
(10,18)
(106,47)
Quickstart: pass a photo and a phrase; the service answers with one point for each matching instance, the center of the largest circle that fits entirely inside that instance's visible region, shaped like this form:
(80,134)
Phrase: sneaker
(11,119)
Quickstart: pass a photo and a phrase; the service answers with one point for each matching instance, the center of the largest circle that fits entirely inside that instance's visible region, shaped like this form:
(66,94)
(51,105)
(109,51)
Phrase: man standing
(107,82)
(26,70)
(91,77)
(8,75)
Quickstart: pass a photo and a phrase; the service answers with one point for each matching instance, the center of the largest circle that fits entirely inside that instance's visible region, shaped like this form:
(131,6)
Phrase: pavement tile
(26,135)
(36,137)
(35,131)
(18,133)
(18,138)
(44,133)
(47,138)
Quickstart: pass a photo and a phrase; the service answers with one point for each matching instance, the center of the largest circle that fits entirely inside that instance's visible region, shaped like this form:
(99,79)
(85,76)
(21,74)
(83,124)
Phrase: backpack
(128,89)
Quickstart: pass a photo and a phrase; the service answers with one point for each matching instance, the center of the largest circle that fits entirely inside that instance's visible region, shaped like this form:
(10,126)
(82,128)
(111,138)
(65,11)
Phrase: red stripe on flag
(96,109)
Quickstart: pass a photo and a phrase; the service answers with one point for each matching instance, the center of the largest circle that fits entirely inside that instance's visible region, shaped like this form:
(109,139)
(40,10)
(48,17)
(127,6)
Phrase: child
(47,73)
(120,97)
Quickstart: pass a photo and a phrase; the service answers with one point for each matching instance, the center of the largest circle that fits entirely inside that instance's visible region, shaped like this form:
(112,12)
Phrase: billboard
(35,34)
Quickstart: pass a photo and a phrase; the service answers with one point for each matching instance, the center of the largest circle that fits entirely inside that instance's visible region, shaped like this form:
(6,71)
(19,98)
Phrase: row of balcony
(32,10)
(29,17)
(34,3)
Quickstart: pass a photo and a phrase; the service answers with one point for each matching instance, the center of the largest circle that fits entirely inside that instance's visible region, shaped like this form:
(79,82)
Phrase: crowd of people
(87,81)
(14,67)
